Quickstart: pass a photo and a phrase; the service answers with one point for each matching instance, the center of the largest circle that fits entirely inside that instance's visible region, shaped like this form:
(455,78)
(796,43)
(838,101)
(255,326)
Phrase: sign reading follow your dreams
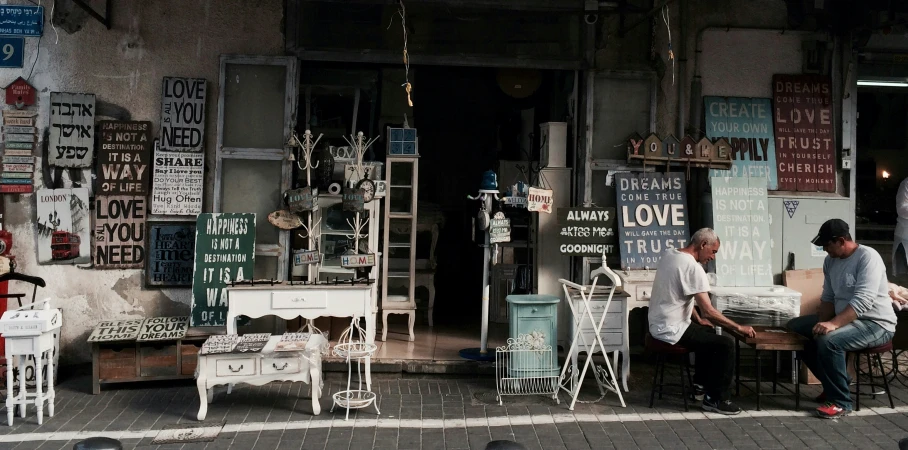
(224,252)
(652,216)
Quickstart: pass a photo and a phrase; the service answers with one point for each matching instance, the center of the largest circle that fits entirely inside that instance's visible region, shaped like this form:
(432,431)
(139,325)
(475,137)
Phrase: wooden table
(774,340)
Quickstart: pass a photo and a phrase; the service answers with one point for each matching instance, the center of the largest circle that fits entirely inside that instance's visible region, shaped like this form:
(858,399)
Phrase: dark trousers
(715,359)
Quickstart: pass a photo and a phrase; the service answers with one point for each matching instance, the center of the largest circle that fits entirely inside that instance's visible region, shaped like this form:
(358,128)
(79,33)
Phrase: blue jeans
(825,355)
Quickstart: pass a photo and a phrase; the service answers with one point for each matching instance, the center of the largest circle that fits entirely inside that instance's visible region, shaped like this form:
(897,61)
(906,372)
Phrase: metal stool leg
(872,382)
(662,377)
(879,361)
(652,393)
(683,389)
(857,377)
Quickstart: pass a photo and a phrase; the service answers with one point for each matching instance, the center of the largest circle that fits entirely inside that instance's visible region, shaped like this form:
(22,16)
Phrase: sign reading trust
(652,216)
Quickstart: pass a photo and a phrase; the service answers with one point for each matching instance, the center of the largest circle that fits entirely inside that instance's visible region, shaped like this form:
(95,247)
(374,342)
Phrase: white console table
(261,368)
(614,331)
(307,301)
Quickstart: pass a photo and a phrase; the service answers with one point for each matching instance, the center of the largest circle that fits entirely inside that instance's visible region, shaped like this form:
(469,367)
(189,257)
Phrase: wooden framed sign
(586,231)
(354,200)
(171,254)
(364,260)
(63,226)
(72,130)
(499,229)
(652,216)
(112,331)
(119,232)
(306,257)
(746,126)
(123,158)
(163,328)
(741,221)
(299,200)
(804,132)
(224,252)
(179,181)
(183,114)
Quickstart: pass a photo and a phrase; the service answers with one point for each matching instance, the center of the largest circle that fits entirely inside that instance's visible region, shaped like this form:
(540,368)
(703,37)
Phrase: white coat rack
(486,197)
(306,147)
(360,145)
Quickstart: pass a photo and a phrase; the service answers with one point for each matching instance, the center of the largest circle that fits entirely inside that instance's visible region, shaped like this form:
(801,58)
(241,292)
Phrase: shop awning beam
(623,30)
(104,20)
(575,6)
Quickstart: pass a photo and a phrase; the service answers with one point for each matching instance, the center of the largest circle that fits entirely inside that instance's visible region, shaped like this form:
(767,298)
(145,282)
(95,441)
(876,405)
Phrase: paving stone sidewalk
(444,412)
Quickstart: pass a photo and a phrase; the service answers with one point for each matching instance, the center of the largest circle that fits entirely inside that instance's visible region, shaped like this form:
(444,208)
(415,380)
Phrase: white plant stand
(350,350)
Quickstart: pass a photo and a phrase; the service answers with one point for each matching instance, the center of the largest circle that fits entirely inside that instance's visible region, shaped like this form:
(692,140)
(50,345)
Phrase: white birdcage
(351,348)
(525,366)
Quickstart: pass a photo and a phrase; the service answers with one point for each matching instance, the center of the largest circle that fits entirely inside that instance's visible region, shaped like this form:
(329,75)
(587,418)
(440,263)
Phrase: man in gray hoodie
(855,313)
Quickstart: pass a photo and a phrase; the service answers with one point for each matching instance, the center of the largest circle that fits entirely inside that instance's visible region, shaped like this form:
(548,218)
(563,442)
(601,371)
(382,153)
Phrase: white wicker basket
(354,350)
(354,398)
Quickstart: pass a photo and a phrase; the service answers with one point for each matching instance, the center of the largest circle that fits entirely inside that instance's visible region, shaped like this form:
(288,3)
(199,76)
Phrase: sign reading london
(652,216)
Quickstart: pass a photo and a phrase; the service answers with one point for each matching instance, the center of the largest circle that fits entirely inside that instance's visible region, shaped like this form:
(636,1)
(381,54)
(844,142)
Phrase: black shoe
(698,393)
(725,407)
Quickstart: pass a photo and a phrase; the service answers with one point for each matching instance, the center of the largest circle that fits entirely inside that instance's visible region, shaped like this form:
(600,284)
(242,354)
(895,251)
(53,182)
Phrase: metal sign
(351,261)
(499,229)
(111,331)
(171,254)
(123,158)
(163,328)
(21,20)
(746,126)
(540,200)
(72,129)
(652,216)
(224,252)
(119,232)
(63,226)
(354,200)
(183,114)
(19,93)
(20,145)
(306,257)
(741,221)
(299,200)
(178,183)
(586,231)
(804,132)
(19,121)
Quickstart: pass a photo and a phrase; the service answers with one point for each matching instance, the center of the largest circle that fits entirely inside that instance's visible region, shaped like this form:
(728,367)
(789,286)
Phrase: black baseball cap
(831,229)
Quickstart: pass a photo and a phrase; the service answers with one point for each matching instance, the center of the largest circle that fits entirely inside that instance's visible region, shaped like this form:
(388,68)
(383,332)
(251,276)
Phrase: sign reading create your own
(805,139)
(183,114)
(746,123)
(741,221)
(652,217)
(124,156)
(119,232)
(224,253)
(178,183)
(72,129)
(586,231)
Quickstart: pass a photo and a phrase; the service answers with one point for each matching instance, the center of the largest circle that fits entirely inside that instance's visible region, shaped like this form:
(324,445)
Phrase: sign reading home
(178,183)
(652,216)
(183,114)
(122,330)
(586,231)
(224,253)
(171,254)
(119,232)
(125,152)
(163,328)
(805,136)
(72,129)
(746,124)
(741,221)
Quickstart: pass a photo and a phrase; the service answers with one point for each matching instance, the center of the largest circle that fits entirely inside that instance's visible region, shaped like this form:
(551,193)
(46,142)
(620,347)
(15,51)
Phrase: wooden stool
(872,354)
(663,352)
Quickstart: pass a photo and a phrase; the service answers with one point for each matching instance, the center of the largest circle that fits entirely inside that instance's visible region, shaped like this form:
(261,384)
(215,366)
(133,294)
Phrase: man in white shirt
(681,283)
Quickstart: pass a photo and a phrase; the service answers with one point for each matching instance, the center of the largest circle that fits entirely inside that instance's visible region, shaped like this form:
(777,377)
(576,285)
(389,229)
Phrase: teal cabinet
(534,321)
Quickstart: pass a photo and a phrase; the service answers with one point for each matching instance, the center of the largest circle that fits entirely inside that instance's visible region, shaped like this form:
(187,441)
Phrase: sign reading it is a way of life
(741,221)
(178,183)
(183,114)
(224,253)
(119,232)
(652,217)
(125,151)
(72,129)
(746,124)
(805,136)
(586,231)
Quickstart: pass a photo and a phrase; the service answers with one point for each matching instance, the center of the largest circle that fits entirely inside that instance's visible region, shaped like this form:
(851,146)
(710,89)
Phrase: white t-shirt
(678,278)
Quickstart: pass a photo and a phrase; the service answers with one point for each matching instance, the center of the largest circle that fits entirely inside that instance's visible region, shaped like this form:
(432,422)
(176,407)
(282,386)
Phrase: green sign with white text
(224,253)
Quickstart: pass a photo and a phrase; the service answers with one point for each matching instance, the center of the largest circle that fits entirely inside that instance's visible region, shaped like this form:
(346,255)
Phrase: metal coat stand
(486,196)
(605,379)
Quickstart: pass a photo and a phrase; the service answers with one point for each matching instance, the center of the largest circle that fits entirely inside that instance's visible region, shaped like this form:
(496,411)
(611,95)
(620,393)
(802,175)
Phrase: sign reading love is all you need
(746,124)
(183,114)
(119,232)
(741,221)
(224,253)
(652,216)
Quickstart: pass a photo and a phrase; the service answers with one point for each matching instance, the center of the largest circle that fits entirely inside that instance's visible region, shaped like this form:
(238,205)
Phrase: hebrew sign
(72,129)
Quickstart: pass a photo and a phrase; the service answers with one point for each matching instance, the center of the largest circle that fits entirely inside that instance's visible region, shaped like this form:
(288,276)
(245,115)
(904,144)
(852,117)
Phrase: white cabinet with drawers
(614,328)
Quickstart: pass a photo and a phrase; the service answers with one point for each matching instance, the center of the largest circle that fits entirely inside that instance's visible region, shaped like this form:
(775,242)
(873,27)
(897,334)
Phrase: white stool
(18,348)
(390,307)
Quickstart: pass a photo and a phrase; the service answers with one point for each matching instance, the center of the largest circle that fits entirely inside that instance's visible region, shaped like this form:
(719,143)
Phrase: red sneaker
(831,410)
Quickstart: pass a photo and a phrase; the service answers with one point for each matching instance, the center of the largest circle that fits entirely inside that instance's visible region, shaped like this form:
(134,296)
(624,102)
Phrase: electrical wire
(402,12)
(666,19)
(37,53)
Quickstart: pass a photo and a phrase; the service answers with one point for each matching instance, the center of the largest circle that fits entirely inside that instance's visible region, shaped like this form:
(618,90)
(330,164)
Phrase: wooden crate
(117,362)
(189,352)
(158,359)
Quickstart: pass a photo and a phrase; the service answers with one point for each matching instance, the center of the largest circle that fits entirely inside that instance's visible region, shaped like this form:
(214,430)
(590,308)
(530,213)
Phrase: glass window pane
(254,100)
(621,107)
(253,186)
(265,267)
(401,173)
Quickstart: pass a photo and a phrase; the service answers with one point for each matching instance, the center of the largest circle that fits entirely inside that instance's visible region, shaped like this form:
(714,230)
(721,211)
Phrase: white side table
(18,349)
(262,368)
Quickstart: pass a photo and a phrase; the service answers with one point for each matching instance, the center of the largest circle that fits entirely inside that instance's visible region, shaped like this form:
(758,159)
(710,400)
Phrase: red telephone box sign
(19,93)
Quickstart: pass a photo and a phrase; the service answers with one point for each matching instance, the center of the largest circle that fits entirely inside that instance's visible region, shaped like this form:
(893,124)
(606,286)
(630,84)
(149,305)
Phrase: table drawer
(613,321)
(117,362)
(536,311)
(608,339)
(299,300)
(617,306)
(158,360)
(235,367)
(280,365)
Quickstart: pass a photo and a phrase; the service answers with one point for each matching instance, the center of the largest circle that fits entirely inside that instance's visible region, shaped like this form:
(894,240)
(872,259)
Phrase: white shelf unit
(401,176)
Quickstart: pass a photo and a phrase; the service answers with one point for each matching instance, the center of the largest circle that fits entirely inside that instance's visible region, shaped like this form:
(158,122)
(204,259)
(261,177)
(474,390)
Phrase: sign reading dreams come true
(652,217)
